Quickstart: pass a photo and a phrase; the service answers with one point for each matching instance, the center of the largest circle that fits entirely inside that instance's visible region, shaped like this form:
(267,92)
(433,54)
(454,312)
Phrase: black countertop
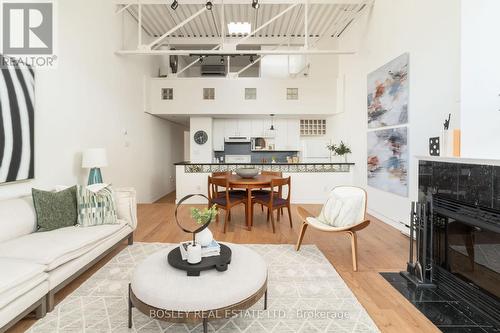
(277,163)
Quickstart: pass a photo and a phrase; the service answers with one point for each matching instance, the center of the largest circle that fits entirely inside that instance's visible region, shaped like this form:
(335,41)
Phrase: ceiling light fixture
(200,59)
(255,4)
(222,60)
(243,28)
(174,5)
(272,122)
(251,59)
(209,5)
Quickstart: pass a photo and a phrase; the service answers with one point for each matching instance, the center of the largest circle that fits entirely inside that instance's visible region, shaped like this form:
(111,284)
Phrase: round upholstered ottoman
(165,293)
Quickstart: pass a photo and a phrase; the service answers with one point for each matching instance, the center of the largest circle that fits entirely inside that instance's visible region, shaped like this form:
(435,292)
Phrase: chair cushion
(17,218)
(56,247)
(222,200)
(277,201)
(15,272)
(233,193)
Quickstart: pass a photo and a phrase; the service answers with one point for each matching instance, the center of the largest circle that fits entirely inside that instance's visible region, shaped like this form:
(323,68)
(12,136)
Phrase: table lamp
(93,159)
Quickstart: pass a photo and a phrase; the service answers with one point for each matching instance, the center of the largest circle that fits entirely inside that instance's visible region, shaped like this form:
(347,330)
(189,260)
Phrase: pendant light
(272,122)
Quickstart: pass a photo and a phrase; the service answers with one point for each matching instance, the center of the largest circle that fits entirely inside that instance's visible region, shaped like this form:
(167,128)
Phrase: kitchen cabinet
(237,127)
(281,134)
(257,128)
(293,134)
(244,127)
(218,134)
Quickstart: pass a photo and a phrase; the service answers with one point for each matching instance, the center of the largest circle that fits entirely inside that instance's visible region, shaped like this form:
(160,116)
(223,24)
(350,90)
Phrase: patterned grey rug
(306,294)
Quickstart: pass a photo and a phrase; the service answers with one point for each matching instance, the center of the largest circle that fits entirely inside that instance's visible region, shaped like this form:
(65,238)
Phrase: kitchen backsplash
(257,156)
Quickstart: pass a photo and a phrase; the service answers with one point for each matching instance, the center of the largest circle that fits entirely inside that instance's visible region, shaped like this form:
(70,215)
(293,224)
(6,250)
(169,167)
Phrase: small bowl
(247,172)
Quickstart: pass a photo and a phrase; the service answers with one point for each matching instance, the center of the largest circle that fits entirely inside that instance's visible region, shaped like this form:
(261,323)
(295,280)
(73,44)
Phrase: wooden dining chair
(359,222)
(275,201)
(266,191)
(223,199)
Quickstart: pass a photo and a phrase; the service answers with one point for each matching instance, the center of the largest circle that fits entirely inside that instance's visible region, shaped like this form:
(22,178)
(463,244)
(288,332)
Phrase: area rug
(306,294)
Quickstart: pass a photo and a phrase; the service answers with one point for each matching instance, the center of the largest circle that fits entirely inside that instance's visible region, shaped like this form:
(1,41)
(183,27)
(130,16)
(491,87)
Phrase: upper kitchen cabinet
(293,134)
(218,134)
(257,126)
(244,127)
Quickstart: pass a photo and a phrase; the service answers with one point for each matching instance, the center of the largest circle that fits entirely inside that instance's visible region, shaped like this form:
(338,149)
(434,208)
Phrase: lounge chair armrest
(360,225)
(303,213)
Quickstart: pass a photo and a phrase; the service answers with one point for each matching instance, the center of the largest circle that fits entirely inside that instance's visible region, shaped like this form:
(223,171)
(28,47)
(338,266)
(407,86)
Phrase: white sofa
(35,265)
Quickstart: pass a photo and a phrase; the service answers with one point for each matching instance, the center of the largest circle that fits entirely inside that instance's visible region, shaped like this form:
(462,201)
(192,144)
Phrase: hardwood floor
(381,248)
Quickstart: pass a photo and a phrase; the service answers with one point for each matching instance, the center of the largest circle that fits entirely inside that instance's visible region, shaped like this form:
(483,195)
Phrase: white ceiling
(325,20)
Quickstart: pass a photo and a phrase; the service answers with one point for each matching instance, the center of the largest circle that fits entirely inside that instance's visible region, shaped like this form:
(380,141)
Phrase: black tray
(219,262)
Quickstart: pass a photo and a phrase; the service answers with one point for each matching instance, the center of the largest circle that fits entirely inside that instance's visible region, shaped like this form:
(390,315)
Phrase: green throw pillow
(55,210)
(95,208)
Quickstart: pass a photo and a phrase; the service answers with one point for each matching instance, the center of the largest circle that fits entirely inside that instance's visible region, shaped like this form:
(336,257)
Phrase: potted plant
(339,150)
(201,217)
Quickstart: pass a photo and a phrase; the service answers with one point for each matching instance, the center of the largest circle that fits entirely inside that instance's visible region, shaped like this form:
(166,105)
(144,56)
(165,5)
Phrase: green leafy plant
(205,215)
(340,150)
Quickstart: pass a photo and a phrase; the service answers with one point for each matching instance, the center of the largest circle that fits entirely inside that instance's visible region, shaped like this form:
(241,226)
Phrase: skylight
(239,28)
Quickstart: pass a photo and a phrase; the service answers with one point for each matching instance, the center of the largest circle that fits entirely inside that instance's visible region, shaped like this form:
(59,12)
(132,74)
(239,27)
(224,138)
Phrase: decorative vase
(194,253)
(204,237)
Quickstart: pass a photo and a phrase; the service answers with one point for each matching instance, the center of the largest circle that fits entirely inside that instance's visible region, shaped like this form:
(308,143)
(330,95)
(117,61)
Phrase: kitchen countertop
(260,163)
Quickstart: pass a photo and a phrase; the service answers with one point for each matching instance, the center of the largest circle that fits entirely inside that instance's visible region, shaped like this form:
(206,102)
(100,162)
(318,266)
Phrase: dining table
(248,184)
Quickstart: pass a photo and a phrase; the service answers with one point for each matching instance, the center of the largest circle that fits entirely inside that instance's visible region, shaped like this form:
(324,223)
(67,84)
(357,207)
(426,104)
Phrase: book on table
(213,249)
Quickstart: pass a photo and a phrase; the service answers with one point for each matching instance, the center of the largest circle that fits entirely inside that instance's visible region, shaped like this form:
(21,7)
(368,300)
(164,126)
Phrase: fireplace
(465,213)
(460,246)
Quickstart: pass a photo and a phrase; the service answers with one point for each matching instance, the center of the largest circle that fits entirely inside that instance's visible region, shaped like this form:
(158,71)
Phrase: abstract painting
(388,160)
(17,91)
(388,93)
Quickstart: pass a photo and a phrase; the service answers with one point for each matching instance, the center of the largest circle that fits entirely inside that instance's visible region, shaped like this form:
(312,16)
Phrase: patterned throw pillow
(55,210)
(95,208)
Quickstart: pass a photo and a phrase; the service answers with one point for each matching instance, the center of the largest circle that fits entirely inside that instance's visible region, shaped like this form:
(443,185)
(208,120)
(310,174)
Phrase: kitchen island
(311,182)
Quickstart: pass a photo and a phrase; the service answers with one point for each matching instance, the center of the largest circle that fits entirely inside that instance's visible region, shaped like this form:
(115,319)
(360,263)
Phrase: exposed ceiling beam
(232,52)
(229,2)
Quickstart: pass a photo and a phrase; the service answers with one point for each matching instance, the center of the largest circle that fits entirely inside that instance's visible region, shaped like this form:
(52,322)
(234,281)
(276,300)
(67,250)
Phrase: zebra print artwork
(17,89)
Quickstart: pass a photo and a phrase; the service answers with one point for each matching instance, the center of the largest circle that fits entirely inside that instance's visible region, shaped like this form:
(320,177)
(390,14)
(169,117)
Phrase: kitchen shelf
(312,127)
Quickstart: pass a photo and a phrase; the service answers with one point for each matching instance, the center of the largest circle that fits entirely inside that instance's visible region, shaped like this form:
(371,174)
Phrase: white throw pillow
(331,210)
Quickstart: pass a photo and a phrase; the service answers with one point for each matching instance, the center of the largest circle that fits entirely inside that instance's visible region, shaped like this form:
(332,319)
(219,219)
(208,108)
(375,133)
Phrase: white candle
(194,253)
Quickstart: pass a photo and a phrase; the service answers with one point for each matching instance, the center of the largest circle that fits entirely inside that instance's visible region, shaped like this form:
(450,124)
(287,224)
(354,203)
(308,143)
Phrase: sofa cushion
(17,218)
(15,272)
(55,210)
(14,293)
(59,246)
(95,208)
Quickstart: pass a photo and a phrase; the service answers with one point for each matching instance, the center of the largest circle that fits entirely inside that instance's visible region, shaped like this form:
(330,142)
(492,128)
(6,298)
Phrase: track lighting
(251,59)
(209,5)
(222,60)
(200,59)
(255,4)
(174,5)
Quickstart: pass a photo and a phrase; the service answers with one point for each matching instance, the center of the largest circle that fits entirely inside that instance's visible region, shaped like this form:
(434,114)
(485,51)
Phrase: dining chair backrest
(280,182)
(351,191)
(221,173)
(272,173)
(213,187)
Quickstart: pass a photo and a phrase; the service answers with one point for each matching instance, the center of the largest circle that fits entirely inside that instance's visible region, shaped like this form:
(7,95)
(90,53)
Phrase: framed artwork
(388,94)
(388,160)
(16,123)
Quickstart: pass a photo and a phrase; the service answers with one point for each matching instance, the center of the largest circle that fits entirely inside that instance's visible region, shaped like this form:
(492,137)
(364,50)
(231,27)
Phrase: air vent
(213,70)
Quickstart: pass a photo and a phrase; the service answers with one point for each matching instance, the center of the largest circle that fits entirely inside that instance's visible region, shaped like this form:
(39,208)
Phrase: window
(292,93)
(167,93)
(250,93)
(208,93)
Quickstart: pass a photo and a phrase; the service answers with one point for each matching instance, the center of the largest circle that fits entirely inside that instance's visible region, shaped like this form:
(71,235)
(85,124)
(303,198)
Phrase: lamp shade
(94,158)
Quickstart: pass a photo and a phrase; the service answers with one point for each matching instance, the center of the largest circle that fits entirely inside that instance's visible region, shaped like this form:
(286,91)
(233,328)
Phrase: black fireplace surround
(466,232)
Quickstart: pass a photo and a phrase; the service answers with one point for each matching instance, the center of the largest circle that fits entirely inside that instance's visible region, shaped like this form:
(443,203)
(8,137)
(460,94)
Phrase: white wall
(201,153)
(480,78)
(90,100)
(430,31)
